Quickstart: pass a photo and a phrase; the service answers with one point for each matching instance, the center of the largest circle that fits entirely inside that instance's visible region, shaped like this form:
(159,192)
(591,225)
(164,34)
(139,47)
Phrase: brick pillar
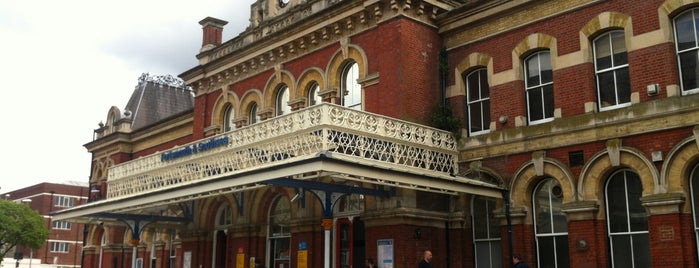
(664,229)
(584,232)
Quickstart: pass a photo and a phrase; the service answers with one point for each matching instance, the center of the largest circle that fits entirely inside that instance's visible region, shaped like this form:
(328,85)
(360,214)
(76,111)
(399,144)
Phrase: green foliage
(443,118)
(20,225)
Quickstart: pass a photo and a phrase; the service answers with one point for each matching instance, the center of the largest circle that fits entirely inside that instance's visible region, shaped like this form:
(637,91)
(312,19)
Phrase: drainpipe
(446,225)
(506,197)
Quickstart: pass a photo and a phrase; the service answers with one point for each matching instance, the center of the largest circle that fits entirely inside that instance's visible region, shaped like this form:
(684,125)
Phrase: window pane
(684,28)
(621,251)
(485,88)
(605,84)
(641,250)
(476,117)
(486,114)
(695,196)
(603,58)
(562,258)
(473,86)
(352,91)
(313,97)
(283,101)
(616,203)
(546,69)
(545,251)
(480,218)
(623,86)
(488,254)
(619,47)
(548,100)
(535,105)
(688,67)
(533,72)
(638,217)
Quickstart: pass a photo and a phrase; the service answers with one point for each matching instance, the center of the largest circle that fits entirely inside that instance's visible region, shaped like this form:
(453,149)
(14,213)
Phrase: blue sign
(194,148)
(303,245)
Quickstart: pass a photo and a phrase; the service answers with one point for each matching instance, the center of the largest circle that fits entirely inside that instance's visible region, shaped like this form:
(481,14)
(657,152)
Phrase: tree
(20,225)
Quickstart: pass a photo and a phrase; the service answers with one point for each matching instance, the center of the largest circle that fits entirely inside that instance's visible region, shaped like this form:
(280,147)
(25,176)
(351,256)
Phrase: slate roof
(152,102)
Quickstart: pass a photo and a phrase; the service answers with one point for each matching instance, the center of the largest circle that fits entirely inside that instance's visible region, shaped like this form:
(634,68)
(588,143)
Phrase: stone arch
(533,43)
(217,113)
(668,10)
(113,117)
(261,201)
(604,22)
(210,208)
(476,171)
(338,62)
(251,96)
(270,91)
(307,77)
(470,63)
(676,170)
(531,172)
(603,164)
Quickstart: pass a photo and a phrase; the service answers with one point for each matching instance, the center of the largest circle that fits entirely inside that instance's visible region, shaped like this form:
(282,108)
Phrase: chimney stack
(213,32)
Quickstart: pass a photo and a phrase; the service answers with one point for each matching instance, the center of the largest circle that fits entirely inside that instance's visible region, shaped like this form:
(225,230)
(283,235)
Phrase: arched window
(351,90)
(111,123)
(228,117)
(278,233)
(486,233)
(283,100)
(224,219)
(612,71)
(478,99)
(253,117)
(550,225)
(538,80)
(687,47)
(627,221)
(313,96)
(694,185)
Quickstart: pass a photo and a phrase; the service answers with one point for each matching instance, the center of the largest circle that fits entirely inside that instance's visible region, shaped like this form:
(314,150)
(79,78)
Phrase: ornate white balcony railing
(302,134)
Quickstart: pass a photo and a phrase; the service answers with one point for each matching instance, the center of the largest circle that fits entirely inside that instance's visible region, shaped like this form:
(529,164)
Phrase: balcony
(320,141)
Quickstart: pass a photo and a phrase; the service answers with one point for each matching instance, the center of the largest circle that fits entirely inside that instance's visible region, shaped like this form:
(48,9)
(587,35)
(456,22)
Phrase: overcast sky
(63,64)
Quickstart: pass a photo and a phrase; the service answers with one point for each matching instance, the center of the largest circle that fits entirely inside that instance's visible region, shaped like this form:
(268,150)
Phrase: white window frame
(694,49)
(351,90)
(228,118)
(59,247)
(64,201)
(613,69)
(313,97)
(282,100)
(551,210)
(629,232)
(62,225)
(538,87)
(694,194)
(253,117)
(479,102)
(494,243)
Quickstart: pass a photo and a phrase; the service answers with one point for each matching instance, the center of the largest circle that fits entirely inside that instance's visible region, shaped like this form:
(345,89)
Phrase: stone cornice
(646,117)
(659,204)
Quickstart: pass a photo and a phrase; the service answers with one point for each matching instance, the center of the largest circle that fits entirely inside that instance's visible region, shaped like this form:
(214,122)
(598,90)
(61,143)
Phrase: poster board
(187,262)
(384,254)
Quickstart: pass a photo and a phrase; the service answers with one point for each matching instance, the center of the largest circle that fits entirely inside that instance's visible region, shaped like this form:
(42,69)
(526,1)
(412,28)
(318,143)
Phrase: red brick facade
(397,46)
